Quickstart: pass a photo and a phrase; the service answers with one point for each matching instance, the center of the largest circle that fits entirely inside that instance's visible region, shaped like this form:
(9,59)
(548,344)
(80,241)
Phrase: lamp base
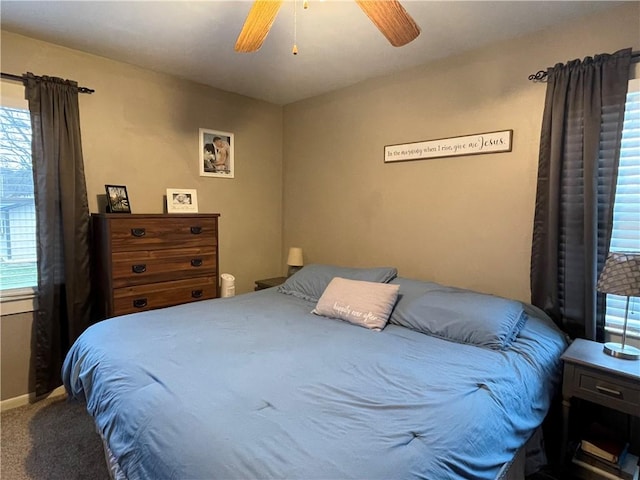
(617,350)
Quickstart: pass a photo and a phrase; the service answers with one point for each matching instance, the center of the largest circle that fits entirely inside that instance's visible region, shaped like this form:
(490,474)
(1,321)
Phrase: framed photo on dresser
(117,199)
(182,200)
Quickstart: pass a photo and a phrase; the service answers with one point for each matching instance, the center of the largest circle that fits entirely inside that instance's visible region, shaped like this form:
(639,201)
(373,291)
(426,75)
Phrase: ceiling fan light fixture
(388,16)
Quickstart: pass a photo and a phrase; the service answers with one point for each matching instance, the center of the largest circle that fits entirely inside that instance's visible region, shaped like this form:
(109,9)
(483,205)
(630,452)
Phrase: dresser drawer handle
(609,391)
(196,293)
(196,262)
(140,302)
(196,230)
(139,268)
(138,232)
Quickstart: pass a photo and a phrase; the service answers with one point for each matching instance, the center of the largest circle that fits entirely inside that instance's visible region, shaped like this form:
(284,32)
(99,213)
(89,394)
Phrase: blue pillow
(310,282)
(411,289)
(458,315)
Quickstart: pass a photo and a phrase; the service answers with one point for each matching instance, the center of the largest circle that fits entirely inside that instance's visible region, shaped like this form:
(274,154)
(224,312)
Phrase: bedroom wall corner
(140,129)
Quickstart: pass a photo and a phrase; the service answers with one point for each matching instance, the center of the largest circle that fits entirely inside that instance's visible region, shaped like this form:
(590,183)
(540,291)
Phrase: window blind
(626,212)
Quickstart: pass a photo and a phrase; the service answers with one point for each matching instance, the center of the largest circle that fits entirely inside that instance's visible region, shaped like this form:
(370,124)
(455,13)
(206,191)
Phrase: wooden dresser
(151,261)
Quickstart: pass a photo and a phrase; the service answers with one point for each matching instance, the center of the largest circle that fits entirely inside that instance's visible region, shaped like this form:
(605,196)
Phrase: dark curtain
(577,172)
(62,225)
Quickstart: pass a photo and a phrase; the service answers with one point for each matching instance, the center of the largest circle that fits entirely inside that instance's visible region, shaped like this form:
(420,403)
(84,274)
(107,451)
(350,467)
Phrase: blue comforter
(254,386)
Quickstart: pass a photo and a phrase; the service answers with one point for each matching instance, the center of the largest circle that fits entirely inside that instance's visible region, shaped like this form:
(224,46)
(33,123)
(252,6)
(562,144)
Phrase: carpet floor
(51,439)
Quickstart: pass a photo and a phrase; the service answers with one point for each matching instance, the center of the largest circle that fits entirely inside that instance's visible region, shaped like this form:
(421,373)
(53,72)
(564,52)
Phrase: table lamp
(621,276)
(294,261)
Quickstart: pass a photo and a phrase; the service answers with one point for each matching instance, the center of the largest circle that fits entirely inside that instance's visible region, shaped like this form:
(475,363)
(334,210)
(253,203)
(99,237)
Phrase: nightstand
(592,375)
(269,282)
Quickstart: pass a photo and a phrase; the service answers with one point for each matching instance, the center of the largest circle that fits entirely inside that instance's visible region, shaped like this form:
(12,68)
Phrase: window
(626,212)
(18,265)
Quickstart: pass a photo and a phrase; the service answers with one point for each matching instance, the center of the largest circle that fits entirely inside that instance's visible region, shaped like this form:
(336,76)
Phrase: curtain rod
(21,79)
(541,75)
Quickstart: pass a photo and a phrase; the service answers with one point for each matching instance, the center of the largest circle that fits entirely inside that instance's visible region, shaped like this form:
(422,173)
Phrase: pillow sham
(367,304)
(411,290)
(462,316)
(310,282)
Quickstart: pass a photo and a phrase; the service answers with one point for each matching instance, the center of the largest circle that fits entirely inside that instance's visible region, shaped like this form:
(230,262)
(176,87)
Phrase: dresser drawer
(130,234)
(614,392)
(147,266)
(163,294)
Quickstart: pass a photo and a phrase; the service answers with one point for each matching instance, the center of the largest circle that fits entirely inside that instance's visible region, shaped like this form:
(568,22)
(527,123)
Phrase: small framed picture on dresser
(181,200)
(117,199)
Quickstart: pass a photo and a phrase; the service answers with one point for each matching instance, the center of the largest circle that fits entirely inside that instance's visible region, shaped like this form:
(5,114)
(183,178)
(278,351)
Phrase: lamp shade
(295,257)
(621,275)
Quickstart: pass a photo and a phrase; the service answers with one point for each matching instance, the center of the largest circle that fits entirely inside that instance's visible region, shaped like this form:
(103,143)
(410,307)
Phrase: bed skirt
(112,464)
(529,459)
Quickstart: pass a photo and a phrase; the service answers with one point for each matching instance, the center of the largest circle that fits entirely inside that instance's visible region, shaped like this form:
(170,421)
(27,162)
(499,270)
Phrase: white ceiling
(338,44)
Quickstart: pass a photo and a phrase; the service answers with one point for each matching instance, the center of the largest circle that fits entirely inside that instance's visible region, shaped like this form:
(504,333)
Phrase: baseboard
(28,398)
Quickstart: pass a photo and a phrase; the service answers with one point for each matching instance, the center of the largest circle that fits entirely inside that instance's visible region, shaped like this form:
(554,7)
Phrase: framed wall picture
(117,199)
(181,200)
(216,154)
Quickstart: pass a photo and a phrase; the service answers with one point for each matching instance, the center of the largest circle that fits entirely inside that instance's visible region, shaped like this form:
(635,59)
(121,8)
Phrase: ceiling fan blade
(257,25)
(391,19)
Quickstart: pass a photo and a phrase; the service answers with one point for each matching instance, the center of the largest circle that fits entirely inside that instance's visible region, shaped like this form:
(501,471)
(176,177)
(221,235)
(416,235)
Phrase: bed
(268,385)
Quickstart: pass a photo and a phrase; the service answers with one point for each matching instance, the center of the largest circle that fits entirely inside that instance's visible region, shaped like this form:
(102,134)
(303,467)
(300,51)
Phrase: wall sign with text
(478,144)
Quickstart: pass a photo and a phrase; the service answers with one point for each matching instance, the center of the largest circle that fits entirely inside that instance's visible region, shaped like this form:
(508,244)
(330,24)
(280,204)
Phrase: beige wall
(464,221)
(140,129)
(15,348)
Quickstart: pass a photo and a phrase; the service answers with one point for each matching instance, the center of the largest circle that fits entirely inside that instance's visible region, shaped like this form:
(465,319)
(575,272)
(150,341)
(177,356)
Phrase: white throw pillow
(367,304)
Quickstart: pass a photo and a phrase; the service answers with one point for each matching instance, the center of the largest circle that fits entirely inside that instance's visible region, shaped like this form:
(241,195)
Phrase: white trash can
(227,285)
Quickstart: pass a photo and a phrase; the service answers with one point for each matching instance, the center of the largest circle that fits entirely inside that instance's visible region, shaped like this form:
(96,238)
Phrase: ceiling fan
(388,15)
